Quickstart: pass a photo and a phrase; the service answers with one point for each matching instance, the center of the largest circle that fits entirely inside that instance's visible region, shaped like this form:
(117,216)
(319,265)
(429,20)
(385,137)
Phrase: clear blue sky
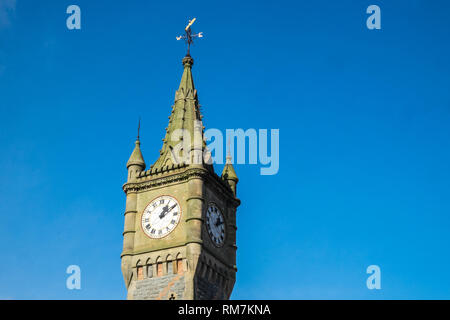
(364,139)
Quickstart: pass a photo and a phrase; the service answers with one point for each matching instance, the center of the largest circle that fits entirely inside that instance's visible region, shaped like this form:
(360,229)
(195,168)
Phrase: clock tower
(179,239)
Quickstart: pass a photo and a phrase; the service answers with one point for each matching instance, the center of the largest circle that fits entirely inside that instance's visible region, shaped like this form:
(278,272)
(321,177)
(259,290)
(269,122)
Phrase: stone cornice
(176,177)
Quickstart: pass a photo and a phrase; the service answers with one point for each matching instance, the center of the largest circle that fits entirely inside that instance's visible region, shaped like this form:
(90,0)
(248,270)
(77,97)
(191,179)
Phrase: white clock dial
(161,216)
(215,225)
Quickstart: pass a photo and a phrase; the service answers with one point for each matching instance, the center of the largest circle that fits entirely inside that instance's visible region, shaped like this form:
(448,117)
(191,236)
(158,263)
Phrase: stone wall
(207,291)
(160,288)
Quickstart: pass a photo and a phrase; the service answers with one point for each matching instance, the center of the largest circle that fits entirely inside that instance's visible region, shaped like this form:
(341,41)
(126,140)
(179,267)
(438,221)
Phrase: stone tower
(179,239)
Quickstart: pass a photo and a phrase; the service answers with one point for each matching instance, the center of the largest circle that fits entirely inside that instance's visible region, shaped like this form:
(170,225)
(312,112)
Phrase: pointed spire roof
(228,172)
(185,115)
(136,157)
(187,82)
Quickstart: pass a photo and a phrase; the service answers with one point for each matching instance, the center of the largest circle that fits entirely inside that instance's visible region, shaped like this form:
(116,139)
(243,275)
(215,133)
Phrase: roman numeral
(147,227)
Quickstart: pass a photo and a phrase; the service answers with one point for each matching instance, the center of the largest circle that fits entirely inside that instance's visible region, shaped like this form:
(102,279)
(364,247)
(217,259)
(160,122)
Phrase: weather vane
(189,37)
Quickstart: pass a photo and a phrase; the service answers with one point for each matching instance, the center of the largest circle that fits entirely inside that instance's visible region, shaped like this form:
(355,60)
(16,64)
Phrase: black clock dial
(215,225)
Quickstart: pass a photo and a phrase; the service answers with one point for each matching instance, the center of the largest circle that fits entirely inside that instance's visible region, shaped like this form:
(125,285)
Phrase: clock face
(161,216)
(215,225)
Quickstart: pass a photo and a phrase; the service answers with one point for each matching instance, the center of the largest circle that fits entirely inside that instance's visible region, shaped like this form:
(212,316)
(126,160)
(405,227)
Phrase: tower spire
(228,173)
(185,121)
(139,128)
(228,151)
(136,158)
(185,116)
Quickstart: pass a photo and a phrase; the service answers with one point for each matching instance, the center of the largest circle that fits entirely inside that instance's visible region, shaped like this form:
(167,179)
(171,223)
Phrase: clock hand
(218,222)
(166,210)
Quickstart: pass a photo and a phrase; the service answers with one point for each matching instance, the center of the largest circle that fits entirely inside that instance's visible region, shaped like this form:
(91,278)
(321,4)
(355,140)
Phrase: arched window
(214,275)
(149,269)
(179,265)
(222,278)
(139,270)
(208,272)
(159,267)
(169,265)
(203,269)
(219,277)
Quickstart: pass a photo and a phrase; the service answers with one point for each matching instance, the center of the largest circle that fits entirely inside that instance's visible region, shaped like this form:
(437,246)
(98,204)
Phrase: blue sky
(364,139)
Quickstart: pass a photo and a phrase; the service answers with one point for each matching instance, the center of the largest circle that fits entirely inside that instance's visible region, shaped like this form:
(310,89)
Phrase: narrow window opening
(140,273)
(180,266)
(159,269)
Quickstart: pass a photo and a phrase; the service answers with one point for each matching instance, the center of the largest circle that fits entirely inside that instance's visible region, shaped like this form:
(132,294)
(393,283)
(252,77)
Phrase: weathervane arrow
(189,37)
